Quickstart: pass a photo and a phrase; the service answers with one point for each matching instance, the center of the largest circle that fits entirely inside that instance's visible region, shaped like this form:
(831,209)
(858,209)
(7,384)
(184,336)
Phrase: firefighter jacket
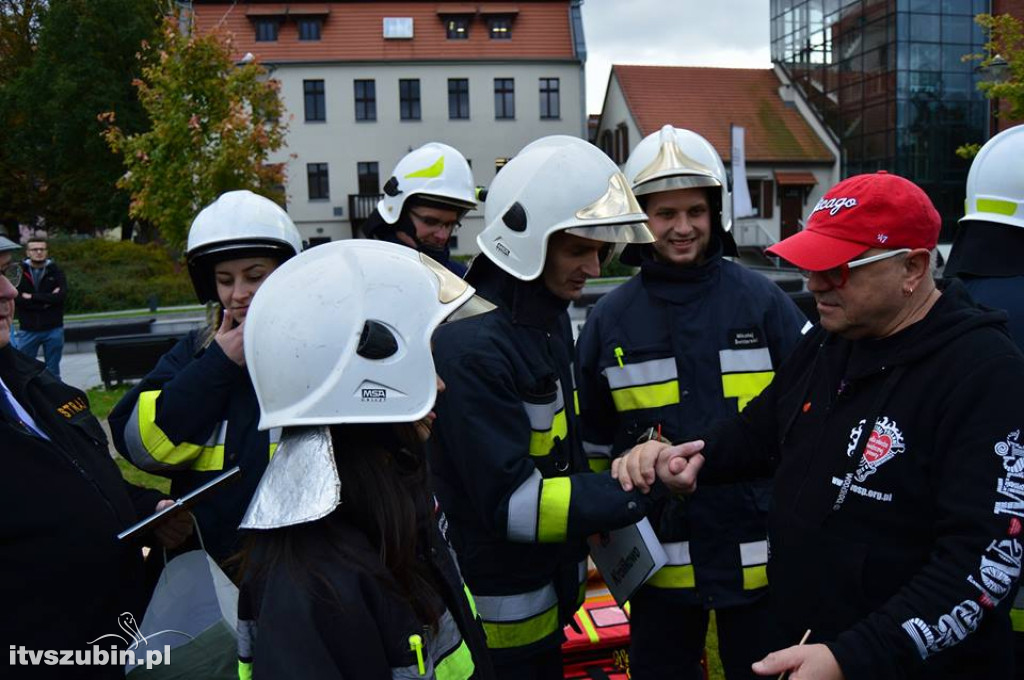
(67,579)
(899,492)
(509,468)
(194,416)
(341,614)
(677,348)
(44,311)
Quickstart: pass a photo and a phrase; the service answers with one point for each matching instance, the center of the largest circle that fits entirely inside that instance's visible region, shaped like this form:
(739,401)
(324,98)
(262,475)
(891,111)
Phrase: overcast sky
(731,33)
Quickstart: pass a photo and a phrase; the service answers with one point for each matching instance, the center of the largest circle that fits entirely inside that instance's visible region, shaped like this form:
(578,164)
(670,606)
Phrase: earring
(907,292)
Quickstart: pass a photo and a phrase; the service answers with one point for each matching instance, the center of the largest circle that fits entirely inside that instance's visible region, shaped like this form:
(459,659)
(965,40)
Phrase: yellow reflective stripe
(245,670)
(211,459)
(542,441)
(599,464)
(162,449)
(997,206)
(469,598)
(646,396)
(435,169)
(273,449)
(673,577)
(588,625)
(1017,619)
(576,401)
(553,520)
(755,577)
(521,633)
(745,386)
(456,666)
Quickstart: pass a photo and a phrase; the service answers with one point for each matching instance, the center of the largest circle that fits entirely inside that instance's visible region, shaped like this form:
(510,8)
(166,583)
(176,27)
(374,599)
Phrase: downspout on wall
(579,46)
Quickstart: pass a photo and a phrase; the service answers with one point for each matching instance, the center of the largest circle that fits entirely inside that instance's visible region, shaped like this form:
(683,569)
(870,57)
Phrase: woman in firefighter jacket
(195,414)
(509,467)
(347,573)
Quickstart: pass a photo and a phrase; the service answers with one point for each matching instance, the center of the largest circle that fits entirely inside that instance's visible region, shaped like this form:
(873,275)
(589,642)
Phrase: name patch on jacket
(73,407)
(745,338)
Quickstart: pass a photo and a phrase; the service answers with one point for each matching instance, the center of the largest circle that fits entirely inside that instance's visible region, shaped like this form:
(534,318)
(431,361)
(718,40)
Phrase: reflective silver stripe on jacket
(543,415)
(678,553)
(512,608)
(641,373)
(597,450)
(754,553)
(246,639)
(523,508)
(745,360)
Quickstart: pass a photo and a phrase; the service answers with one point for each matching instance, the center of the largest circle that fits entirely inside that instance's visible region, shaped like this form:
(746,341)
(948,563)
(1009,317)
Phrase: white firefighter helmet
(995,183)
(434,171)
(341,334)
(674,158)
(557,183)
(238,224)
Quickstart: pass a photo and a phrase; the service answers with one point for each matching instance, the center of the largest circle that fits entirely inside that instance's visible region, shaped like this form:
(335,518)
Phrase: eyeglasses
(12,272)
(36,250)
(434,224)
(837,277)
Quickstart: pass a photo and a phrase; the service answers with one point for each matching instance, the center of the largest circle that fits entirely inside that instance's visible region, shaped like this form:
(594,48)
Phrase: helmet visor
(673,182)
(636,232)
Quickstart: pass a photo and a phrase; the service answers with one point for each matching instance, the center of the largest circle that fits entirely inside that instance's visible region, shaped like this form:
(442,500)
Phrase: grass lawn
(102,401)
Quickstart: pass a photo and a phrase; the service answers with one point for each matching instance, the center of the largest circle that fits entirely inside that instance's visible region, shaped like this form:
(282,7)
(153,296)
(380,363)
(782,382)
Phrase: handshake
(675,465)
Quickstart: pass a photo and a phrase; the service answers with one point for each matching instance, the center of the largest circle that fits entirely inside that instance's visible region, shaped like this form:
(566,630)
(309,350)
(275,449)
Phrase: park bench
(90,330)
(130,357)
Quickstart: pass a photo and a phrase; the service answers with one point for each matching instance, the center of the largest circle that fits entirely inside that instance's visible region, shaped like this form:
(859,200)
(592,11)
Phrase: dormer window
(309,28)
(267,29)
(457,26)
(499,27)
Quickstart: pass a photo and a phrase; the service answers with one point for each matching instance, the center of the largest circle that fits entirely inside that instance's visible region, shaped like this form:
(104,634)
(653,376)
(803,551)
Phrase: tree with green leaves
(214,124)
(1003,61)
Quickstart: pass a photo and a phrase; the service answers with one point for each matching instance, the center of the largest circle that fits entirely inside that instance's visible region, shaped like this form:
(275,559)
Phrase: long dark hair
(384,496)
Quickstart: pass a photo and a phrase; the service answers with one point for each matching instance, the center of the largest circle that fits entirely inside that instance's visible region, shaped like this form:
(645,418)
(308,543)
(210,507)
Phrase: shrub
(111,275)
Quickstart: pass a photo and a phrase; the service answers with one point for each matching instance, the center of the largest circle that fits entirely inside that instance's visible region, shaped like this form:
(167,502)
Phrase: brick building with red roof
(365,82)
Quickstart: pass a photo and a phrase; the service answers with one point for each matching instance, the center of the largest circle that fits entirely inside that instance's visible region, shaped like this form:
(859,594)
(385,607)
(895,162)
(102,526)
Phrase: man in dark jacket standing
(40,306)
(509,466)
(896,443)
(67,579)
(688,341)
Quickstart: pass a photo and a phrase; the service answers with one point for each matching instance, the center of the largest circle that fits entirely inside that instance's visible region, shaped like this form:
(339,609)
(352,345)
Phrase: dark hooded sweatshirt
(897,545)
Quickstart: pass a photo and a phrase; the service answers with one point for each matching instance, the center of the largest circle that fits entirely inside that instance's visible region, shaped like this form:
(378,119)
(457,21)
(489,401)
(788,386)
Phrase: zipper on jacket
(416,646)
(618,356)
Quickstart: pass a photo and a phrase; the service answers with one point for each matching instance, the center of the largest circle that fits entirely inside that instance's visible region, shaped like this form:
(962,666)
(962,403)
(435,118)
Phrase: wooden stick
(782,675)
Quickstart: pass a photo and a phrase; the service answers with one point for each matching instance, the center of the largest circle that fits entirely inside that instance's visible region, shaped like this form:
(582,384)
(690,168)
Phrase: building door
(791,209)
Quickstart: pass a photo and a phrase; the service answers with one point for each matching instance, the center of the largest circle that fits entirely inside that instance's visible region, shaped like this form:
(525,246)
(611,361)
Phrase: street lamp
(996,71)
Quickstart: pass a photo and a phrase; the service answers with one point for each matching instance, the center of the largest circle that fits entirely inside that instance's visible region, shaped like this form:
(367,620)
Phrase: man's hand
(676,466)
(230,339)
(804,662)
(173,530)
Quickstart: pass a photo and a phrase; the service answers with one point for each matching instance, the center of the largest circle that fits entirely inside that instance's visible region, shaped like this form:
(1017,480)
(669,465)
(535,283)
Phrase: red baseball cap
(862,212)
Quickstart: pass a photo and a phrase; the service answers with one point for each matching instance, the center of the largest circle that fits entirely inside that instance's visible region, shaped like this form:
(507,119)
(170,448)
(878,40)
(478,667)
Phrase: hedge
(112,275)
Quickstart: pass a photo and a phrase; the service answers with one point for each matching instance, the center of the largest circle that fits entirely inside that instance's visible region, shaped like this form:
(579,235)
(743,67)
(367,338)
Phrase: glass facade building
(888,78)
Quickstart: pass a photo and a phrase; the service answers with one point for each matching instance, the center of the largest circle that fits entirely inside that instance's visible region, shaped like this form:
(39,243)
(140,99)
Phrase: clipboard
(627,558)
(186,501)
